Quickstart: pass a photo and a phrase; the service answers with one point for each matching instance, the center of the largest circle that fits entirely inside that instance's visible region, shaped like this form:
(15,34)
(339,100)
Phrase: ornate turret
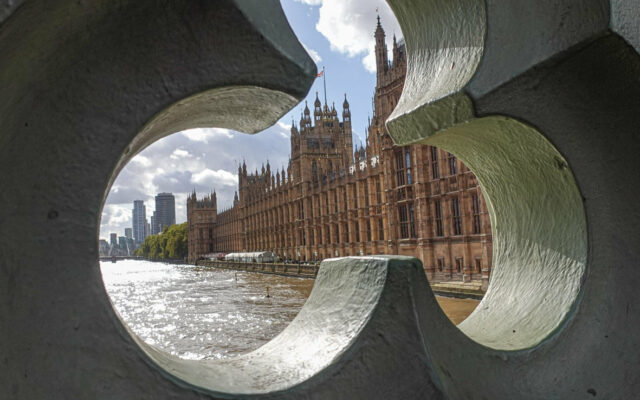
(346,111)
(307,113)
(306,118)
(396,51)
(295,136)
(382,62)
(317,109)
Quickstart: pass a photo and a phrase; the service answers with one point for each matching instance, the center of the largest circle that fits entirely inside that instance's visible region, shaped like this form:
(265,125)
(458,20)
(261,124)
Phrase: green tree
(170,244)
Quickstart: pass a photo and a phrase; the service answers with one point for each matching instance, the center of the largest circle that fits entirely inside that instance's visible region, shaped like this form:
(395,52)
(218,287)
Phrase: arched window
(435,170)
(407,157)
(453,164)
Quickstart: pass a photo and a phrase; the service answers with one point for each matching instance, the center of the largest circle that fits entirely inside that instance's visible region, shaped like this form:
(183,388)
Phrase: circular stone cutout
(538,226)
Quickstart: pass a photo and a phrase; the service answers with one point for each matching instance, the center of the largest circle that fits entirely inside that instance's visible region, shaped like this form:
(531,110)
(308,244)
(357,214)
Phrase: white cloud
(310,2)
(211,178)
(312,53)
(178,164)
(113,217)
(142,160)
(285,129)
(179,153)
(206,134)
(369,61)
(349,27)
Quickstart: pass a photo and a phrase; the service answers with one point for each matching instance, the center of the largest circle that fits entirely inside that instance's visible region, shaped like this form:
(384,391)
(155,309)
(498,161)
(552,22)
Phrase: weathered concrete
(549,125)
(582,94)
(85,86)
(537,219)
(624,20)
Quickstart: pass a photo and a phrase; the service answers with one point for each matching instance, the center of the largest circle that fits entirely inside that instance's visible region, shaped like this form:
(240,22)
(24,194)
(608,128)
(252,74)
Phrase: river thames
(198,314)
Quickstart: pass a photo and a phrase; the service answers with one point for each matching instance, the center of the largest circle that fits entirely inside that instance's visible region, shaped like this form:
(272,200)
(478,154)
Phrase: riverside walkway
(297,270)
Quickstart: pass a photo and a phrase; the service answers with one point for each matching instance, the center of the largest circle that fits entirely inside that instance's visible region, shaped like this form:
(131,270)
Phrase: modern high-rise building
(165,213)
(113,239)
(139,221)
(128,233)
(104,248)
(154,228)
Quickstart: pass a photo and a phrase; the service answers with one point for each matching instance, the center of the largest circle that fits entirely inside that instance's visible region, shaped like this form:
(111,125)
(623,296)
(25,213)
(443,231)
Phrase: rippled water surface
(197,313)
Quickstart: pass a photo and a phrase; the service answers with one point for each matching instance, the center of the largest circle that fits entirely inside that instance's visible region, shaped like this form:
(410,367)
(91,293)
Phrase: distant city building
(414,200)
(128,233)
(140,230)
(131,246)
(165,213)
(113,239)
(154,227)
(103,248)
(125,246)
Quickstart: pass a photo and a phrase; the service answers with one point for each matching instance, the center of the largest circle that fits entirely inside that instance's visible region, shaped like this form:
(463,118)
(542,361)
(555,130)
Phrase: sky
(338,35)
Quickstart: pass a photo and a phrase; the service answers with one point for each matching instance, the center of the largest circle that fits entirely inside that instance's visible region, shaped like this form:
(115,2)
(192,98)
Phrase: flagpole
(324,78)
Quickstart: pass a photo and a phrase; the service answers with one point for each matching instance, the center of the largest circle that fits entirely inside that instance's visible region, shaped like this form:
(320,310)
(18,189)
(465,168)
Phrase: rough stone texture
(7,7)
(81,80)
(544,28)
(624,20)
(539,231)
(583,96)
(444,42)
(597,89)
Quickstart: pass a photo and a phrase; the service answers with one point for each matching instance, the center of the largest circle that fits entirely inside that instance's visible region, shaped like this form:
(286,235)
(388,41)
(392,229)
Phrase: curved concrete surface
(444,42)
(542,89)
(85,86)
(538,228)
(580,91)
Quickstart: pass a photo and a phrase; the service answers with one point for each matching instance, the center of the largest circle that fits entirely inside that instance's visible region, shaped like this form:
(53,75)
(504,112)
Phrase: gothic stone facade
(383,199)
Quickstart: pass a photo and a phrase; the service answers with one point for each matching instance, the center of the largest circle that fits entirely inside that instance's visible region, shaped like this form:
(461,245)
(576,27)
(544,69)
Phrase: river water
(196,313)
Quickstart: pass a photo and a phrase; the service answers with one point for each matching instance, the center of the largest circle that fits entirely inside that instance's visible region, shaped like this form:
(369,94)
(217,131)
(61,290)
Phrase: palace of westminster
(412,200)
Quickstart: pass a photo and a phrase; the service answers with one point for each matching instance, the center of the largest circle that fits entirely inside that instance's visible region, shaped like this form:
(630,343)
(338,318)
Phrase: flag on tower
(320,73)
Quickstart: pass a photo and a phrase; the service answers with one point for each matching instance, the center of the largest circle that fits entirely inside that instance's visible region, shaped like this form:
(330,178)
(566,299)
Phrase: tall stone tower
(382,61)
(201,219)
(323,146)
